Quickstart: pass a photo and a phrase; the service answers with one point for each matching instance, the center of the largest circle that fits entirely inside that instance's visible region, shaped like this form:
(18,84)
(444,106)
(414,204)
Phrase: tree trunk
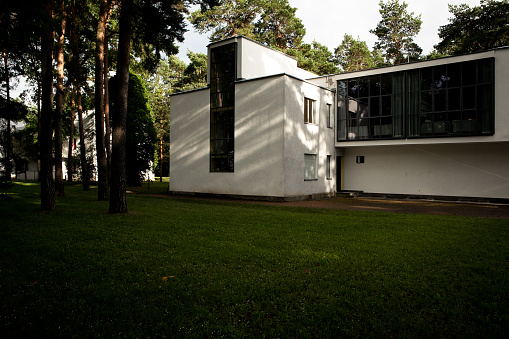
(70,162)
(8,136)
(118,200)
(46,175)
(107,134)
(102,165)
(59,180)
(161,157)
(83,151)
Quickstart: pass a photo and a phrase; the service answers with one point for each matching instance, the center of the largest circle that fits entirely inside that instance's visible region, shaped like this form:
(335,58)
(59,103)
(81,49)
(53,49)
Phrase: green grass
(186,268)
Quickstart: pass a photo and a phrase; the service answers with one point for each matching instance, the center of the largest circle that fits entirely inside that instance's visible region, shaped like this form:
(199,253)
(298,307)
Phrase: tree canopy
(396,31)
(473,29)
(354,55)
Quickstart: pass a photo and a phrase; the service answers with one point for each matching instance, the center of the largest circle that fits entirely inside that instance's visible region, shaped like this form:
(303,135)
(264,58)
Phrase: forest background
(66,51)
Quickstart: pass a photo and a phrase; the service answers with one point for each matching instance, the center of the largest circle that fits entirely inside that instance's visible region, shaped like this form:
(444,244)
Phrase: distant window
(330,116)
(329,167)
(309,166)
(309,111)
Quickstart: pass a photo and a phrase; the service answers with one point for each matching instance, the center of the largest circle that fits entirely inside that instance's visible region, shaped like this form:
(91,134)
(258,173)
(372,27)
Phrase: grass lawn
(185,268)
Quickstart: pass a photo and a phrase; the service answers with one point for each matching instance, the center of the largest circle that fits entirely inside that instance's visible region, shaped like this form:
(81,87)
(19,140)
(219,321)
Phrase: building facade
(265,128)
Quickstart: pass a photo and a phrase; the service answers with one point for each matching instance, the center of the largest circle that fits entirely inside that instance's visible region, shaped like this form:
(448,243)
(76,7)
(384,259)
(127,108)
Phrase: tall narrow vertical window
(330,116)
(309,166)
(309,111)
(222,108)
(329,167)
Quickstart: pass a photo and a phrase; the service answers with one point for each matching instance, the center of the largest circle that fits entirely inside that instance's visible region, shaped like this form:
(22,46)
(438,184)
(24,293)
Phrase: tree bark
(70,162)
(59,180)
(46,175)
(102,164)
(8,136)
(118,200)
(107,134)
(83,151)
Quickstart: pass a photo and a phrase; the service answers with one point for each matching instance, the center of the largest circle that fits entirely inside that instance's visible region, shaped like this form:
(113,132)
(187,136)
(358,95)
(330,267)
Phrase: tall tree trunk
(46,175)
(161,158)
(83,151)
(118,199)
(8,136)
(59,180)
(102,165)
(107,134)
(70,161)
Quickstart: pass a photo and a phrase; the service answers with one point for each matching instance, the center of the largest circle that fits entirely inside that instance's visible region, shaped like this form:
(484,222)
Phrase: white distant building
(265,128)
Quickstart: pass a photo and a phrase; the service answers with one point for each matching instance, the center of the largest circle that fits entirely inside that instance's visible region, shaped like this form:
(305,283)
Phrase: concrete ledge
(440,198)
(315,196)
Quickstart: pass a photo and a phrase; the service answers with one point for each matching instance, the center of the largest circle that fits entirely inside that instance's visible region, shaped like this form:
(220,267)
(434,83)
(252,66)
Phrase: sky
(327,21)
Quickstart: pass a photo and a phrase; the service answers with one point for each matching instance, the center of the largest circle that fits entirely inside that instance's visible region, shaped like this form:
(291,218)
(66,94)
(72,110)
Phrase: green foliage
(195,74)
(396,31)
(354,55)
(278,27)
(201,269)
(228,19)
(315,58)
(473,29)
(140,131)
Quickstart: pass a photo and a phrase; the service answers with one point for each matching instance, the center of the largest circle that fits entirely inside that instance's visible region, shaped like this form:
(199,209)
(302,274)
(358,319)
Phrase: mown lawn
(185,268)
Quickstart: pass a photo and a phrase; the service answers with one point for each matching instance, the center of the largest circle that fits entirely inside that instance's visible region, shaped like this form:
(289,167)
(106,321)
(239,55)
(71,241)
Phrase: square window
(309,166)
(309,111)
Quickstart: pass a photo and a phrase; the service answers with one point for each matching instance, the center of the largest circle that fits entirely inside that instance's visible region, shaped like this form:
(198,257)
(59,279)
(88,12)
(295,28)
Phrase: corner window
(309,166)
(309,111)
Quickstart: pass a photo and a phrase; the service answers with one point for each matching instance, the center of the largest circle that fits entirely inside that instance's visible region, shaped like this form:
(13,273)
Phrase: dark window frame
(223,74)
(425,102)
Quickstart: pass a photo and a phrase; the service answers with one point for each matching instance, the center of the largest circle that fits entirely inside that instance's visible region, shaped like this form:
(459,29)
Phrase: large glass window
(371,107)
(446,100)
(222,108)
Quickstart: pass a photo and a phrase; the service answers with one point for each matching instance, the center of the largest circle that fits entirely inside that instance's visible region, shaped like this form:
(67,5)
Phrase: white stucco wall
(270,141)
(474,170)
(255,60)
(258,160)
(301,138)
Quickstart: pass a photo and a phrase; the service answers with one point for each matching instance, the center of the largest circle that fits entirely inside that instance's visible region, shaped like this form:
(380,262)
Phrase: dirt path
(486,210)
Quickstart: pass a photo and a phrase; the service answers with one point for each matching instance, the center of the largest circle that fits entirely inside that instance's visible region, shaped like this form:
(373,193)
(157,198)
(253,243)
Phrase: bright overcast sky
(327,21)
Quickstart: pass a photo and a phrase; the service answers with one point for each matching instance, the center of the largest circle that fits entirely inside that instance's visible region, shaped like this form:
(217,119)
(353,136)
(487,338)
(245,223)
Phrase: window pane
(468,97)
(353,89)
(386,83)
(454,75)
(387,105)
(363,87)
(309,166)
(468,73)
(454,99)
(374,83)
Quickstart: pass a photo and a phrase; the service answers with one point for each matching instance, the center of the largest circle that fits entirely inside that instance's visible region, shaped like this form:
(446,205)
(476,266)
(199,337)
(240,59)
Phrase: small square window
(359,159)
(309,111)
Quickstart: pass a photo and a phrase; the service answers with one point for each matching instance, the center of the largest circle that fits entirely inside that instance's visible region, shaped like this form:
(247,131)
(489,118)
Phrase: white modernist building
(265,128)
